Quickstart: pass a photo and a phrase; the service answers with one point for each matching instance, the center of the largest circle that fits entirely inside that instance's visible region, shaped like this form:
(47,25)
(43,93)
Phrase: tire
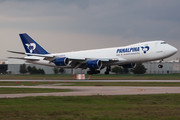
(106,73)
(160,66)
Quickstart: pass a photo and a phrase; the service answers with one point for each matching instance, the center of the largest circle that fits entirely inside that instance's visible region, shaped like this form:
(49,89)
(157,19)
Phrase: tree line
(139,69)
(34,70)
(31,70)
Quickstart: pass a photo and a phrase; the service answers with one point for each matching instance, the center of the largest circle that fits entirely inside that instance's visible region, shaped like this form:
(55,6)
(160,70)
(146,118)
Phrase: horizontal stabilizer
(22,58)
(40,55)
(16,52)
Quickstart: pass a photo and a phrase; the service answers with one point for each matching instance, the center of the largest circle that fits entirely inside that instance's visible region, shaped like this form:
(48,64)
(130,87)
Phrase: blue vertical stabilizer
(30,45)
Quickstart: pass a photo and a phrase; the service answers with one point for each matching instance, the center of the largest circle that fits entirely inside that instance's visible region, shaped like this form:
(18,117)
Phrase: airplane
(96,59)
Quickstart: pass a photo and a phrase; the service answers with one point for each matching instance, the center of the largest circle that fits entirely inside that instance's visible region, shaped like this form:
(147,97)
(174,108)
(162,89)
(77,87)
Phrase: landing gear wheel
(93,71)
(106,73)
(160,66)
(108,68)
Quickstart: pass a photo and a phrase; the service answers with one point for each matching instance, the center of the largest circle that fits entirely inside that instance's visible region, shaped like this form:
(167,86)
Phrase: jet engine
(94,64)
(63,61)
(130,65)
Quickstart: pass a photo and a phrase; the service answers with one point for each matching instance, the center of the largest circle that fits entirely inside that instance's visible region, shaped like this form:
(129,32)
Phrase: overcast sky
(71,25)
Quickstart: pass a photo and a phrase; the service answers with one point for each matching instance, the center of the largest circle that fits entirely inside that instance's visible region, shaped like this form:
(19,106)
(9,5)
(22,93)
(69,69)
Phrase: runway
(95,90)
(91,80)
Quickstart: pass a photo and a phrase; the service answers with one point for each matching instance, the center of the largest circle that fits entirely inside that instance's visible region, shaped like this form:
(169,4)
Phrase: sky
(72,25)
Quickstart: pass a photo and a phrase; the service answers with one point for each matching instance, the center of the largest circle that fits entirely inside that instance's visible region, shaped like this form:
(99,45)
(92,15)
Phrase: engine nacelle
(94,64)
(63,61)
(130,65)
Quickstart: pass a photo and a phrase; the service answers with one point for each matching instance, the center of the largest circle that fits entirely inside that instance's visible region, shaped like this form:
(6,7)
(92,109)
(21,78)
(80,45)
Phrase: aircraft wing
(77,62)
(52,57)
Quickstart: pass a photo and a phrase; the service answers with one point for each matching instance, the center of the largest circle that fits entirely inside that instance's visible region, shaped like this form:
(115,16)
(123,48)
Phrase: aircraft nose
(174,50)
(170,50)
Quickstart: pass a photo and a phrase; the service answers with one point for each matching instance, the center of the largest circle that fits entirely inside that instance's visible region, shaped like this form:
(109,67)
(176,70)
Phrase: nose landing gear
(160,66)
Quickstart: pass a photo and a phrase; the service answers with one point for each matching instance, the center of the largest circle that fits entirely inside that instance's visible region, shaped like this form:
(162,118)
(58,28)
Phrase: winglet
(31,46)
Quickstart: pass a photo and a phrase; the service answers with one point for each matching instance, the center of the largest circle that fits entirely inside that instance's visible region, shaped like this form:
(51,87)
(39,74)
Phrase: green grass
(35,77)
(25,83)
(132,107)
(98,76)
(30,90)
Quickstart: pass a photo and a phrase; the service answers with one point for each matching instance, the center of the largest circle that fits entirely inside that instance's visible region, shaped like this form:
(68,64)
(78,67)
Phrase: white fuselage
(140,52)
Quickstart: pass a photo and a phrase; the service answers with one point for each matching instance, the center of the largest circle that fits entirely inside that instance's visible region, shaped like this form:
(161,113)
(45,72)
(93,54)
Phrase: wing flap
(111,59)
(77,58)
(41,55)
(52,57)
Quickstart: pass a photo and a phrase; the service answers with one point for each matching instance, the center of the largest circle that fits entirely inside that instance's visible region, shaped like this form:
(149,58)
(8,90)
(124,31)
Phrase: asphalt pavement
(95,90)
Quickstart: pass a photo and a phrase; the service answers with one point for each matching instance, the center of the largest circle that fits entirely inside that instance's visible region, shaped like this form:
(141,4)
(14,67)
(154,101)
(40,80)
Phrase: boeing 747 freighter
(97,59)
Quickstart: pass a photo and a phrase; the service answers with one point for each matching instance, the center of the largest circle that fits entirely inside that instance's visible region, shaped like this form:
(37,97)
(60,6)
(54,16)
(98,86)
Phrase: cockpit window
(163,42)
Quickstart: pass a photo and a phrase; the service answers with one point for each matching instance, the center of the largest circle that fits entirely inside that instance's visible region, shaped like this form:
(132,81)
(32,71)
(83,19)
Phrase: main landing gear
(160,66)
(108,68)
(93,71)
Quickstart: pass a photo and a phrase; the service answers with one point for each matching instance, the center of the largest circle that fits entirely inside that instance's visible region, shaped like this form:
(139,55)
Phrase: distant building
(168,67)
(173,61)
(3,61)
(3,66)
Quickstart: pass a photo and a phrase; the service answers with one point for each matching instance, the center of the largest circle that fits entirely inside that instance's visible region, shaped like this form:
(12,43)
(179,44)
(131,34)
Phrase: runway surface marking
(95,90)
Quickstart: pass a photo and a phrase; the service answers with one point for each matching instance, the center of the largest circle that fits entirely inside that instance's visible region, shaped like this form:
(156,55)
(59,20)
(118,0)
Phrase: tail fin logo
(31,47)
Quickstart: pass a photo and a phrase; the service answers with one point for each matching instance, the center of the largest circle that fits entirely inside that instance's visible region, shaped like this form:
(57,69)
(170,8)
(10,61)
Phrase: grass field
(25,83)
(134,107)
(97,77)
(30,90)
